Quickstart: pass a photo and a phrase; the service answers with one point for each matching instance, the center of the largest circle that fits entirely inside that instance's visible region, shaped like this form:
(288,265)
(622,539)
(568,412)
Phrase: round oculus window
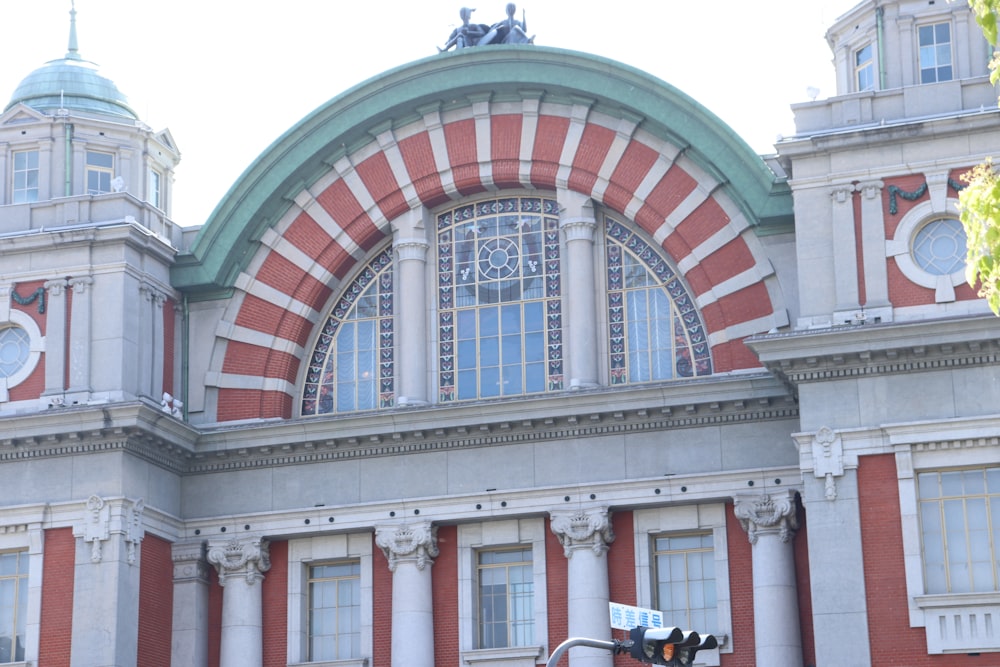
(939,247)
(15,350)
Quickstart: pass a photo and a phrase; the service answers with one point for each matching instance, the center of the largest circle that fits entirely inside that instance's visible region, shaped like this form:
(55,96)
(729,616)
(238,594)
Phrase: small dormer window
(935,53)
(100,171)
(864,68)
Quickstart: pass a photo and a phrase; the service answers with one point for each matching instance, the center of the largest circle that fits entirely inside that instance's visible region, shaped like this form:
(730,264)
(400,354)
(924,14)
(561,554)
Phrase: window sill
(958,623)
(516,656)
(357,662)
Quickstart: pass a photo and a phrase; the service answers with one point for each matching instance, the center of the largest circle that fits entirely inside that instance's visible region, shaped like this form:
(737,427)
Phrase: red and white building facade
(494,340)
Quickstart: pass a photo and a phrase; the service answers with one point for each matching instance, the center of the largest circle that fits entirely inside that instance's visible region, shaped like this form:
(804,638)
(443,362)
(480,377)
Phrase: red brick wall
(156,603)
(274,603)
(741,593)
(621,572)
(556,569)
(893,642)
(34,385)
(57,598)
(214,618)
(801,547)
(382,605)
(445,597)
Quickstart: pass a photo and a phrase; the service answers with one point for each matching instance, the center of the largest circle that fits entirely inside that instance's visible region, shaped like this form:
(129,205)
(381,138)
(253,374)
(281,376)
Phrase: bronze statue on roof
(508,31)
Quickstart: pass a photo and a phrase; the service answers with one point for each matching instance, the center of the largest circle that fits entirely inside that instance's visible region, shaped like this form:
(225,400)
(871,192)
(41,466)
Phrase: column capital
(583,529)
(411,248)
(247,557)
(768,513)
(578,228)
(55,287)
(408,543)
(79,284)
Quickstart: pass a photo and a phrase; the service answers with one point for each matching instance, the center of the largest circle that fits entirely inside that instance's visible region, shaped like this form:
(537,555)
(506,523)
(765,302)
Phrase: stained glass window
(654,329)
(499,308)
(352,365)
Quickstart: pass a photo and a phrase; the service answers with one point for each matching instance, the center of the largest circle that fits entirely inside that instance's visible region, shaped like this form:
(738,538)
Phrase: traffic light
(668,646)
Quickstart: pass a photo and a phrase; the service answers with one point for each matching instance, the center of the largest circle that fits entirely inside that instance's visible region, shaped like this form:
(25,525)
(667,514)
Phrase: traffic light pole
(614,646)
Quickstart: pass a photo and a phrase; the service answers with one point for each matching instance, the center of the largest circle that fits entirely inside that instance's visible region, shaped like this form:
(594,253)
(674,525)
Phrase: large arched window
(654,329)
(352,365)
(498,302)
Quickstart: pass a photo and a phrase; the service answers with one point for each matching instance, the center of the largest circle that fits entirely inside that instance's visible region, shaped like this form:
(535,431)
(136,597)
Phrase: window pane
(958,531)
(506,598)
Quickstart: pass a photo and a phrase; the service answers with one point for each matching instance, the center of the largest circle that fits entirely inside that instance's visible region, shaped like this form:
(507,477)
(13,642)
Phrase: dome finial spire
(73,48)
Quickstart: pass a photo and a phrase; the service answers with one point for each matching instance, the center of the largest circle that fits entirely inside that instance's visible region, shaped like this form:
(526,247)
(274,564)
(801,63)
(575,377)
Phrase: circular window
(15,350)
(939,247)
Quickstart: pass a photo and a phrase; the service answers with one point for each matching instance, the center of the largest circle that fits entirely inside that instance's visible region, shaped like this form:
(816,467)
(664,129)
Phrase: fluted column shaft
(770,521)
(585,536)
(410,550)
(241,564)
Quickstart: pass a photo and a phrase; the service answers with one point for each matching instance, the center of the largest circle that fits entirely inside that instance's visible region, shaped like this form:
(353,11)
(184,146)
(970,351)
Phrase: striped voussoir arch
(334,225)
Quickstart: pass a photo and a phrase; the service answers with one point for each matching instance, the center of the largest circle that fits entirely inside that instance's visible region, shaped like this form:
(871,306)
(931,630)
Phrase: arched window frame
(690,352)
(321,385)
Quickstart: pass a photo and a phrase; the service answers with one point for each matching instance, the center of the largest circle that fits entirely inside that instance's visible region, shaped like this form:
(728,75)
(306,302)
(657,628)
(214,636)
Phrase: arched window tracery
(654,329)
(352,367)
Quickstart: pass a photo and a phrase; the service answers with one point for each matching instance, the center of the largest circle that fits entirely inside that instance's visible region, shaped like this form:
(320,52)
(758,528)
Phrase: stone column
(411,247)
(770,522)
(55,337)
(241,563)
(189,640)
(585,536)
(106,583)
(577,222)
(79,341)
(410,549)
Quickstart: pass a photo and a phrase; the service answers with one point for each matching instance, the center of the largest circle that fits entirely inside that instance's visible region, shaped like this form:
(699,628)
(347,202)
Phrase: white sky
(228,77)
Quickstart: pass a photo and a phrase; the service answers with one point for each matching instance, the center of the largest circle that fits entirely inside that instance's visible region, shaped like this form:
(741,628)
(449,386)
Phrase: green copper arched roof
(302,155)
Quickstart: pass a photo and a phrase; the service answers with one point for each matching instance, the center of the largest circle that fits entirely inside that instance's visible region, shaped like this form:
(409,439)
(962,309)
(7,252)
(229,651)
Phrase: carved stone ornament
(97,527)
(416,543)
(828,459)
(583,529)
(248,557)
(768,513)
(133,529)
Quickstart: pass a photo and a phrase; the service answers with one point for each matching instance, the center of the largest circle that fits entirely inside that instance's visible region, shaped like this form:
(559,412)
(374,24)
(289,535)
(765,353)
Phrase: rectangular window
(13,605)
(335,611)
(506,598)
(25,189)
(154,188)
(100,171)
(935,52)
(864,68)
(959,524)
(685,581)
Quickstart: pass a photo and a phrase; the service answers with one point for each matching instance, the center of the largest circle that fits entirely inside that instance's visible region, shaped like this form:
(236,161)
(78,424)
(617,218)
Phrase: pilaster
(79,340)
(106,582)
(189,640)
(55,339)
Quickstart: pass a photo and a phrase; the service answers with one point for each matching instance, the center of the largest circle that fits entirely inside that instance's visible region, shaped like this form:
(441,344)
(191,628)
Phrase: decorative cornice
(768,513)
(145,431)
(408,543)
(583,529)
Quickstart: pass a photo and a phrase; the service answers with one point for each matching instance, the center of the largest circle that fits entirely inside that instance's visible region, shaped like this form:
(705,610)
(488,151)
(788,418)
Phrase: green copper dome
(72,83)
